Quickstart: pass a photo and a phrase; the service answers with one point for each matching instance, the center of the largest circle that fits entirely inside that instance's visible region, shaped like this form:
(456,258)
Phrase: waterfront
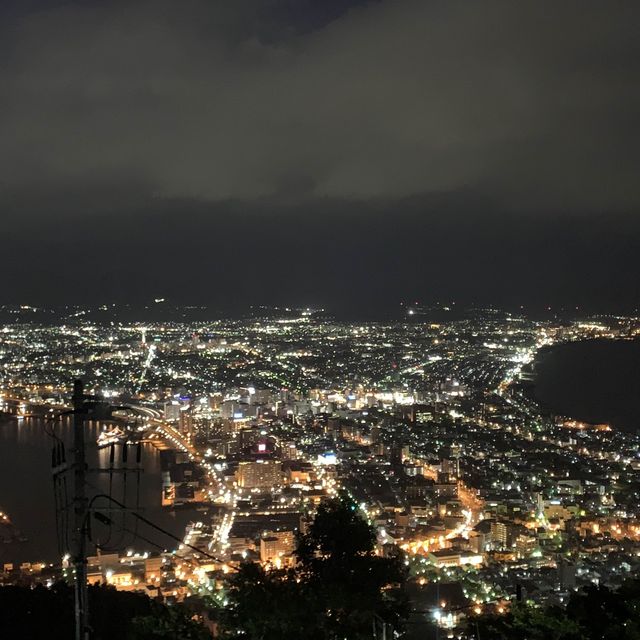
(595,381)
(26,491)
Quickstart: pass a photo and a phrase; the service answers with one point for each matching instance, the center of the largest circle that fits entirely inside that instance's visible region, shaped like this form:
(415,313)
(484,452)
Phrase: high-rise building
(525,545)
(500,534)
(260,474)
(450,466)
(248,437)
(172,410)
(277,546)
(185,420)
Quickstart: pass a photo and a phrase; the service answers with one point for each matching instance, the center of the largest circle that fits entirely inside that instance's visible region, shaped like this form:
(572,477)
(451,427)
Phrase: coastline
(25,478)
(575,380)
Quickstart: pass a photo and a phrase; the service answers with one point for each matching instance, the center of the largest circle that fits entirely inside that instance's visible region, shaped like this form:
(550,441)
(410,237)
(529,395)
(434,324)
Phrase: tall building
(248,437)
(172,410)
(525,545)
(277,546)
(500,535)
(451,466)
(185,421)
(260,474)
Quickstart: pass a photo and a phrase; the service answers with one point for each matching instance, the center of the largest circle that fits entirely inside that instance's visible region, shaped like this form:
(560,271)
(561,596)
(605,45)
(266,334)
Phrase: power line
(161,529)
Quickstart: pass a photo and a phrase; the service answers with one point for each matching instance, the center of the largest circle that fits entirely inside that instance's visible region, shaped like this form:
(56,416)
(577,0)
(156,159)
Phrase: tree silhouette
(41,613)
(593,613)
(167,623)
(337,589)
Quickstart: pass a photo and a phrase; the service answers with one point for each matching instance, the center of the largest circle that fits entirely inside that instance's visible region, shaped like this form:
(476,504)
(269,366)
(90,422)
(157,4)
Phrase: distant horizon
(201,312)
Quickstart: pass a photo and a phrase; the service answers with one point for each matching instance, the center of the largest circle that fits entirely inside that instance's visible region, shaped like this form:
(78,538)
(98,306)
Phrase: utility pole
(80,510)
(85,408)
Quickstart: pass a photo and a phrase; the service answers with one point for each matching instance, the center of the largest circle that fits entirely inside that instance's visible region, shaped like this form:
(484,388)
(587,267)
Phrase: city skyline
(435,439)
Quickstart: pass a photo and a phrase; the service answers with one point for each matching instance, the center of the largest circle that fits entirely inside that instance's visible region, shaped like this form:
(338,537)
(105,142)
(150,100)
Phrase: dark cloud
(344,149)
(533,103)
(358,258)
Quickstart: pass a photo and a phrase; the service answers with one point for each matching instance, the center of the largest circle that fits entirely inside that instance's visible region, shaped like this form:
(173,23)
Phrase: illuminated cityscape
(429,427)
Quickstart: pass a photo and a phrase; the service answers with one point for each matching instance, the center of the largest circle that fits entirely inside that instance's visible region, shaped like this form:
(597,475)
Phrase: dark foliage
(167,623)
(271,605)
(42,613)
(337,589)
(594,613)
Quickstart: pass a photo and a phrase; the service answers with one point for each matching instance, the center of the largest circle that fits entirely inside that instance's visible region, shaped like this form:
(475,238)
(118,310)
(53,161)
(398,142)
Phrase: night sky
(331,153)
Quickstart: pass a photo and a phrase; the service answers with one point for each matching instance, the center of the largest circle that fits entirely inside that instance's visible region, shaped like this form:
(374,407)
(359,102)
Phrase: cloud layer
(530,105)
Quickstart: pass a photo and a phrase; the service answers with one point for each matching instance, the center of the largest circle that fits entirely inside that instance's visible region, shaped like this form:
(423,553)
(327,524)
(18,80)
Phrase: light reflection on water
(26,491)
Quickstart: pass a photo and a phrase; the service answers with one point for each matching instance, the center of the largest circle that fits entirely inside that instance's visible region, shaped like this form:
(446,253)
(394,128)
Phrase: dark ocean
(26,493)
(593,381)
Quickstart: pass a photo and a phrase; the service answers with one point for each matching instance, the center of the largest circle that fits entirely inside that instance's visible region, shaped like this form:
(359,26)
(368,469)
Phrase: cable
(124,488)
(160,529)
(163,549)
(58,458)
(105,544)
(112,456)
(62,507)
(58,515)
(138,471)
(65,511)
